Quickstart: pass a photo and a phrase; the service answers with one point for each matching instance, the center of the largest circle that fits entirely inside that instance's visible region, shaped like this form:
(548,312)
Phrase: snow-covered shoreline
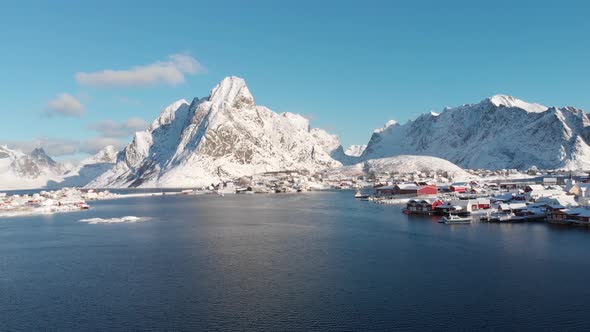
(48,202)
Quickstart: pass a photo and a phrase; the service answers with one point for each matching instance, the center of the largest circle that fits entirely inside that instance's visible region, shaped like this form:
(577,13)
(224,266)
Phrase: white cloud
(170,72)
(95,144)
(64,104)
(110,128)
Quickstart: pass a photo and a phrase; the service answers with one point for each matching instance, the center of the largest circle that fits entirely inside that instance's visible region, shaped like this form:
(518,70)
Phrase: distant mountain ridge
(499,132)
(226,136)
(20,170)
(34,170)
(88,169)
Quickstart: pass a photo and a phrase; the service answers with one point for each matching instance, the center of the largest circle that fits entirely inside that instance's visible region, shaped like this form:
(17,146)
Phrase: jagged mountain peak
(168,114)
(355,150)
(20,170)
(386,126)
(233,91)
(108,154)
(39,155)
(88,169)
(512,102)
(38,152)
(221,137)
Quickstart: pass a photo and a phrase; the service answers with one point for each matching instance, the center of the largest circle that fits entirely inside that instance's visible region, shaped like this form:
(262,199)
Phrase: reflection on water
(314,261)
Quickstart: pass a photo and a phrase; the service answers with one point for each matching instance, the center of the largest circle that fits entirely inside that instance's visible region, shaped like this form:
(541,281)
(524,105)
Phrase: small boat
(84,206)
(454,219)
(504,218)
(511,217)
(360,196)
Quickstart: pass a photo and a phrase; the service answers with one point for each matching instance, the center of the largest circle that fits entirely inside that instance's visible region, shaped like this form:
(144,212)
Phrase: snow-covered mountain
(20,170)
(88,169)
(223,136)
(499,132)
(355,150)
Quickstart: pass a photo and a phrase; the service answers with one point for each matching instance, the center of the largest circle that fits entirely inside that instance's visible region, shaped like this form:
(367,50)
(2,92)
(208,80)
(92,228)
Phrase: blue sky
(348,65)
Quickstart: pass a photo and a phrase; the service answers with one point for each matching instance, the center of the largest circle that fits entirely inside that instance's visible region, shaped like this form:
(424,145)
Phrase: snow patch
(509,101)
(355,150)
(126,219)
(404,164)
(386,126)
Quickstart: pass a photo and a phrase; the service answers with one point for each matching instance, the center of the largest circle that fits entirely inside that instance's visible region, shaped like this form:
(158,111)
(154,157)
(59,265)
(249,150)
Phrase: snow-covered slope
(355,150)
(88,169)
(19,170)
(409,164)
(223,136)
(499,132)
(404,164)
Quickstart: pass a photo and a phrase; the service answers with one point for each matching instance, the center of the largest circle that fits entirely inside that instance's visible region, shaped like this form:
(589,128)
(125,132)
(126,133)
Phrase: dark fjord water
(316,261)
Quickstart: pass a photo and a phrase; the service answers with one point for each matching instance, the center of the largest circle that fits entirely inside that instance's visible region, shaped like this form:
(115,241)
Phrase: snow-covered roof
(407,186)
(504,197)
(586,186)
(384,188)
(581,212)
(512,206)
(566,200)
(535,187)
(459,184)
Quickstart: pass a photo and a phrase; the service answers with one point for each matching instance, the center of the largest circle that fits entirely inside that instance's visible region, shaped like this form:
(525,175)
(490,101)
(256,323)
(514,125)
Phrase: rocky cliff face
(499,132)
(223,136)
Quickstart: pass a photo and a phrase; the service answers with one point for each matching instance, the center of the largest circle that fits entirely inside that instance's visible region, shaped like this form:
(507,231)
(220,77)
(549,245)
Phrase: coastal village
(557,198)
(46,202)
(504,196)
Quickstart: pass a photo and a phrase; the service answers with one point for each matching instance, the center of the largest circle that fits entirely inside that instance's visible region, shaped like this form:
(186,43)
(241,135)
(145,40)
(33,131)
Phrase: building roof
(407,186)
(512,206)
(384,188)
(460,184)
(581,212)
(535,187)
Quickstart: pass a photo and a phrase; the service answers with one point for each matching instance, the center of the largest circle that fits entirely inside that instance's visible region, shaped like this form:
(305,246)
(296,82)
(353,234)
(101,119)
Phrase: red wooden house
(458,188)
(413,189)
